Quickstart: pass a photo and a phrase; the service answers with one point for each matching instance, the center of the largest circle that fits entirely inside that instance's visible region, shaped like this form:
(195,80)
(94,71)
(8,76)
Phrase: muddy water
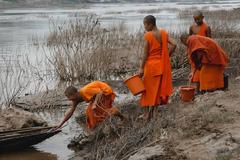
(54,148)
(28,154)
(19,29)
(20,26)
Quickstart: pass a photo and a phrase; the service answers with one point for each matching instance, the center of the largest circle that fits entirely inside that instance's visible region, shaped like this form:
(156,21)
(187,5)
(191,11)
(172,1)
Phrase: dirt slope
(206,129)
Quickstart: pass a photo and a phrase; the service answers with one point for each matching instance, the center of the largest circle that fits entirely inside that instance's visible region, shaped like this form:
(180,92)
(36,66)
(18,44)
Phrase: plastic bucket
(135,85)
(187,93)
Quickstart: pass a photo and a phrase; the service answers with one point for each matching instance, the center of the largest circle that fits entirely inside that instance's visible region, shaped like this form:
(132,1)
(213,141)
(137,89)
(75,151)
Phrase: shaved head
(70,91)
(184,38)
(198,17)
(198,14)
(150,19)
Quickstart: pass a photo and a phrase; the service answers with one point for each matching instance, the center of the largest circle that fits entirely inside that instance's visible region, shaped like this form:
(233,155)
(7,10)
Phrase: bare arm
(173,44)
(190,31)
(208,32)
(197,58)
(68,115)
(97,99)
(144,59)
(145,55)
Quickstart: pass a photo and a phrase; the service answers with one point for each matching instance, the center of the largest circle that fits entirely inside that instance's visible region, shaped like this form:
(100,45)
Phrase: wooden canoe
(22,138)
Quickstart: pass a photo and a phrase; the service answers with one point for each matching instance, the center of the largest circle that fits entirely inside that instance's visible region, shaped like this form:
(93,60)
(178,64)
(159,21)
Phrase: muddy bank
(13,118)
(205,129)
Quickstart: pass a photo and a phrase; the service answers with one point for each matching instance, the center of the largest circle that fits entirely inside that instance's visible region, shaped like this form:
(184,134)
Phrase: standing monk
(100,97)
(156,67)
(206,56)
(200,28)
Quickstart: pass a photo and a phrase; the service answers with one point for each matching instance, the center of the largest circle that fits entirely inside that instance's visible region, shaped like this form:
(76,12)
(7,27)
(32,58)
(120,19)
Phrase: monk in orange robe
(201,28)
(156,67)
(208,58)
(100,97)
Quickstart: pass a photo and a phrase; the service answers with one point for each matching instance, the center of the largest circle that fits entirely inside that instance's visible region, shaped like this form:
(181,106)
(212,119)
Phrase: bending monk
(100,97)
(206,56)
(200,28)
(156,67)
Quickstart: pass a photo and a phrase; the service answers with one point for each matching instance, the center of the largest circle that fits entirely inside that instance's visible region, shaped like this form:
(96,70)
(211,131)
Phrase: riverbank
(205,129)
(177,132)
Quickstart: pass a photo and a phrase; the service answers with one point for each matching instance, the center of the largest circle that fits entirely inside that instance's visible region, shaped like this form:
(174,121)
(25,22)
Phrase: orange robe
(104,106)
(157,72)
(202,32)
(214,61)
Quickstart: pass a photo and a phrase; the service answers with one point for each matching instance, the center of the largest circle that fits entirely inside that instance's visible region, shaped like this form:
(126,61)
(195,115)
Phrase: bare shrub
(12,81)
(83,50)
(21,75)
(114,142)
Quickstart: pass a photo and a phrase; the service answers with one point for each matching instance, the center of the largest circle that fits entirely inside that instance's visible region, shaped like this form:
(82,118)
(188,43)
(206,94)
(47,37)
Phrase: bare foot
(144,117)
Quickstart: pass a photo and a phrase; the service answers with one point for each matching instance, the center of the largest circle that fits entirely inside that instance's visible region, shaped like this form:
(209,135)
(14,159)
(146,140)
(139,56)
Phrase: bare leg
(150,113)
(197,85)
(145,114)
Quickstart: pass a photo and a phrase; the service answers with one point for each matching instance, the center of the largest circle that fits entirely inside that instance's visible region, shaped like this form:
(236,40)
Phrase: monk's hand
(140,72)
(190,76)
(199,66)
(94,109)
(57,127)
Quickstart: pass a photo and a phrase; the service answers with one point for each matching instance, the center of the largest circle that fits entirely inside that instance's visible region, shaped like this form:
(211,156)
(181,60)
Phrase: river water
(20,28)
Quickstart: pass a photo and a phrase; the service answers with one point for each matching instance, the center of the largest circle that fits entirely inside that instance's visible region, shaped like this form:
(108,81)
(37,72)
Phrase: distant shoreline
(32,6)
(11,5)
(65,5)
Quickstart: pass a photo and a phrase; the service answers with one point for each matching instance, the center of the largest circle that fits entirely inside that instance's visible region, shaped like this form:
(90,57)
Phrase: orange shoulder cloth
(203,29)
(166,86)
(90,90)
(214,54)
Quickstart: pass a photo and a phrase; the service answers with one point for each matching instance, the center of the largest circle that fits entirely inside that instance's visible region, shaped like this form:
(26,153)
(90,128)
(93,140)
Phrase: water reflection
(58,143)
(28,154)
(54,148)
